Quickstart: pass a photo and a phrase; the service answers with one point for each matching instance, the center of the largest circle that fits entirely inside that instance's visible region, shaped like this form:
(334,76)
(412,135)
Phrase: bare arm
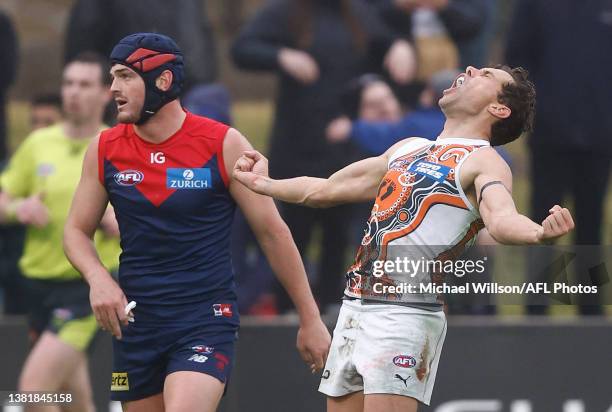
(357,182)
(275,239)
(88,207)
(493,188)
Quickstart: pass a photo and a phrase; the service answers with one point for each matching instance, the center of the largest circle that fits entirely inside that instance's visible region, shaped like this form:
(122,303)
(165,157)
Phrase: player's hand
(557,224)
(313,341)
(109,224)
(339,130)
(32,211)
(401,62)
(108,303)
(299,65)
(251,169)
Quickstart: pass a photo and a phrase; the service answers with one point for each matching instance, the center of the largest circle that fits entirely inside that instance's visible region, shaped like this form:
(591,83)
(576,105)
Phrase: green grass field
(254,120)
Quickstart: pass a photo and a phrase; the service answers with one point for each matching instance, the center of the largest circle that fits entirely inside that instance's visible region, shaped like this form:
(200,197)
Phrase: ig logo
(158,157)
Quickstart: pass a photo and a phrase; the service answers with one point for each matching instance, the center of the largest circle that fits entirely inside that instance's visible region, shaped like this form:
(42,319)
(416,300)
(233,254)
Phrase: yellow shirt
(49,162)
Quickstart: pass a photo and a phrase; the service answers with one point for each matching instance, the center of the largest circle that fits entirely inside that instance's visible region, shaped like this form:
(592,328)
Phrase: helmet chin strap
(156,102)
(155,98)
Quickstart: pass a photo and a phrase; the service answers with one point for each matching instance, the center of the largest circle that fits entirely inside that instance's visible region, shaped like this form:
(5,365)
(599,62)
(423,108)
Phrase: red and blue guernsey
(175,214)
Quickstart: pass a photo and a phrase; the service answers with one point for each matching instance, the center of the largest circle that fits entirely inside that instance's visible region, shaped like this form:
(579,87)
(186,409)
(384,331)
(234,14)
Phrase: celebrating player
(431,199)
(167,173)
(36,190)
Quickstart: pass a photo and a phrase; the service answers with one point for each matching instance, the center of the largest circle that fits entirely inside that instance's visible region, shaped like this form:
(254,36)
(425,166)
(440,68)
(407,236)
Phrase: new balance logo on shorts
(120,382)
(198,358)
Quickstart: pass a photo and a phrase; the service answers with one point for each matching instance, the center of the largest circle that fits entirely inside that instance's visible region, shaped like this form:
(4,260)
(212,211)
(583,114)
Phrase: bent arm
(493,186)
(499,213)
(21,200)
(88,206)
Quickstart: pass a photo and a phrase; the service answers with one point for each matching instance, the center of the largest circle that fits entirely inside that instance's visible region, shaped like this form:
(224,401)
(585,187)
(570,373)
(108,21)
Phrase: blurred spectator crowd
(355,77)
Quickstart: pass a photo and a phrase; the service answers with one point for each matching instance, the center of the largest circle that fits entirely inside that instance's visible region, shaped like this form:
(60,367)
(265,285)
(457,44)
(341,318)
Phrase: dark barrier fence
(486,365)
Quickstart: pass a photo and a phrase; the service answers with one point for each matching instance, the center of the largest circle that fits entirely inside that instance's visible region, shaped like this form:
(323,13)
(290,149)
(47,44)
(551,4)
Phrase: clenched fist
(557,224)
(251,169)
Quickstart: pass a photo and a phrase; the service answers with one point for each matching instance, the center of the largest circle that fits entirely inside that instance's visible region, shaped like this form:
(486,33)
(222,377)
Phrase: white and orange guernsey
(421,215)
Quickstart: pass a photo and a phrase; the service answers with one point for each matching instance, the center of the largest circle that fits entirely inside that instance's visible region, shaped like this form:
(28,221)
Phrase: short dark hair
(51,99)
(94,58)
(520,97)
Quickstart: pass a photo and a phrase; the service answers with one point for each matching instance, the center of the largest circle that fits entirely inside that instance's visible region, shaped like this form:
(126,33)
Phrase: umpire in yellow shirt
(36,190)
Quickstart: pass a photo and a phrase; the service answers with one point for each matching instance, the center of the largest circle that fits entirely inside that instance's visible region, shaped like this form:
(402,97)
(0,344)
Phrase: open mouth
(459,81)
(120,102)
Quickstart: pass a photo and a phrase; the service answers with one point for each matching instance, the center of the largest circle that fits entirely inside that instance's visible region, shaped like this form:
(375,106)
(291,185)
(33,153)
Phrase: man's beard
(127,118)
(130,117)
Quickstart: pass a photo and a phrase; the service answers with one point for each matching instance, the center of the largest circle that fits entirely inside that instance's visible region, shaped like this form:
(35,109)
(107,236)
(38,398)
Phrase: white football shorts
(384,349)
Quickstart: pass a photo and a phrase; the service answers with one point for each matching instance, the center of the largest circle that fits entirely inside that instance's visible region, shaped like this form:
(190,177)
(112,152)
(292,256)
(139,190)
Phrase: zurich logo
(193,178)
(129,177)
(188,174)
(404,361)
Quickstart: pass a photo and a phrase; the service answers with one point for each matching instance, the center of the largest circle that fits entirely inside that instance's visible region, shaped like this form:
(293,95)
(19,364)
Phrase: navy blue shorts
(147,354)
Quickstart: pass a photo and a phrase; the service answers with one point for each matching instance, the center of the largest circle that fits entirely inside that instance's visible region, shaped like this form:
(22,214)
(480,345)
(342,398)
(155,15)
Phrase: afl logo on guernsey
(197,178)
(129,177)
(404,361)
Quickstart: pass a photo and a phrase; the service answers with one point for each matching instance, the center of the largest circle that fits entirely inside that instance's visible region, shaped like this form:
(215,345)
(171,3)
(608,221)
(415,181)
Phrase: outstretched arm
(357,182)
(275,239)
(88,205)
(493,188)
